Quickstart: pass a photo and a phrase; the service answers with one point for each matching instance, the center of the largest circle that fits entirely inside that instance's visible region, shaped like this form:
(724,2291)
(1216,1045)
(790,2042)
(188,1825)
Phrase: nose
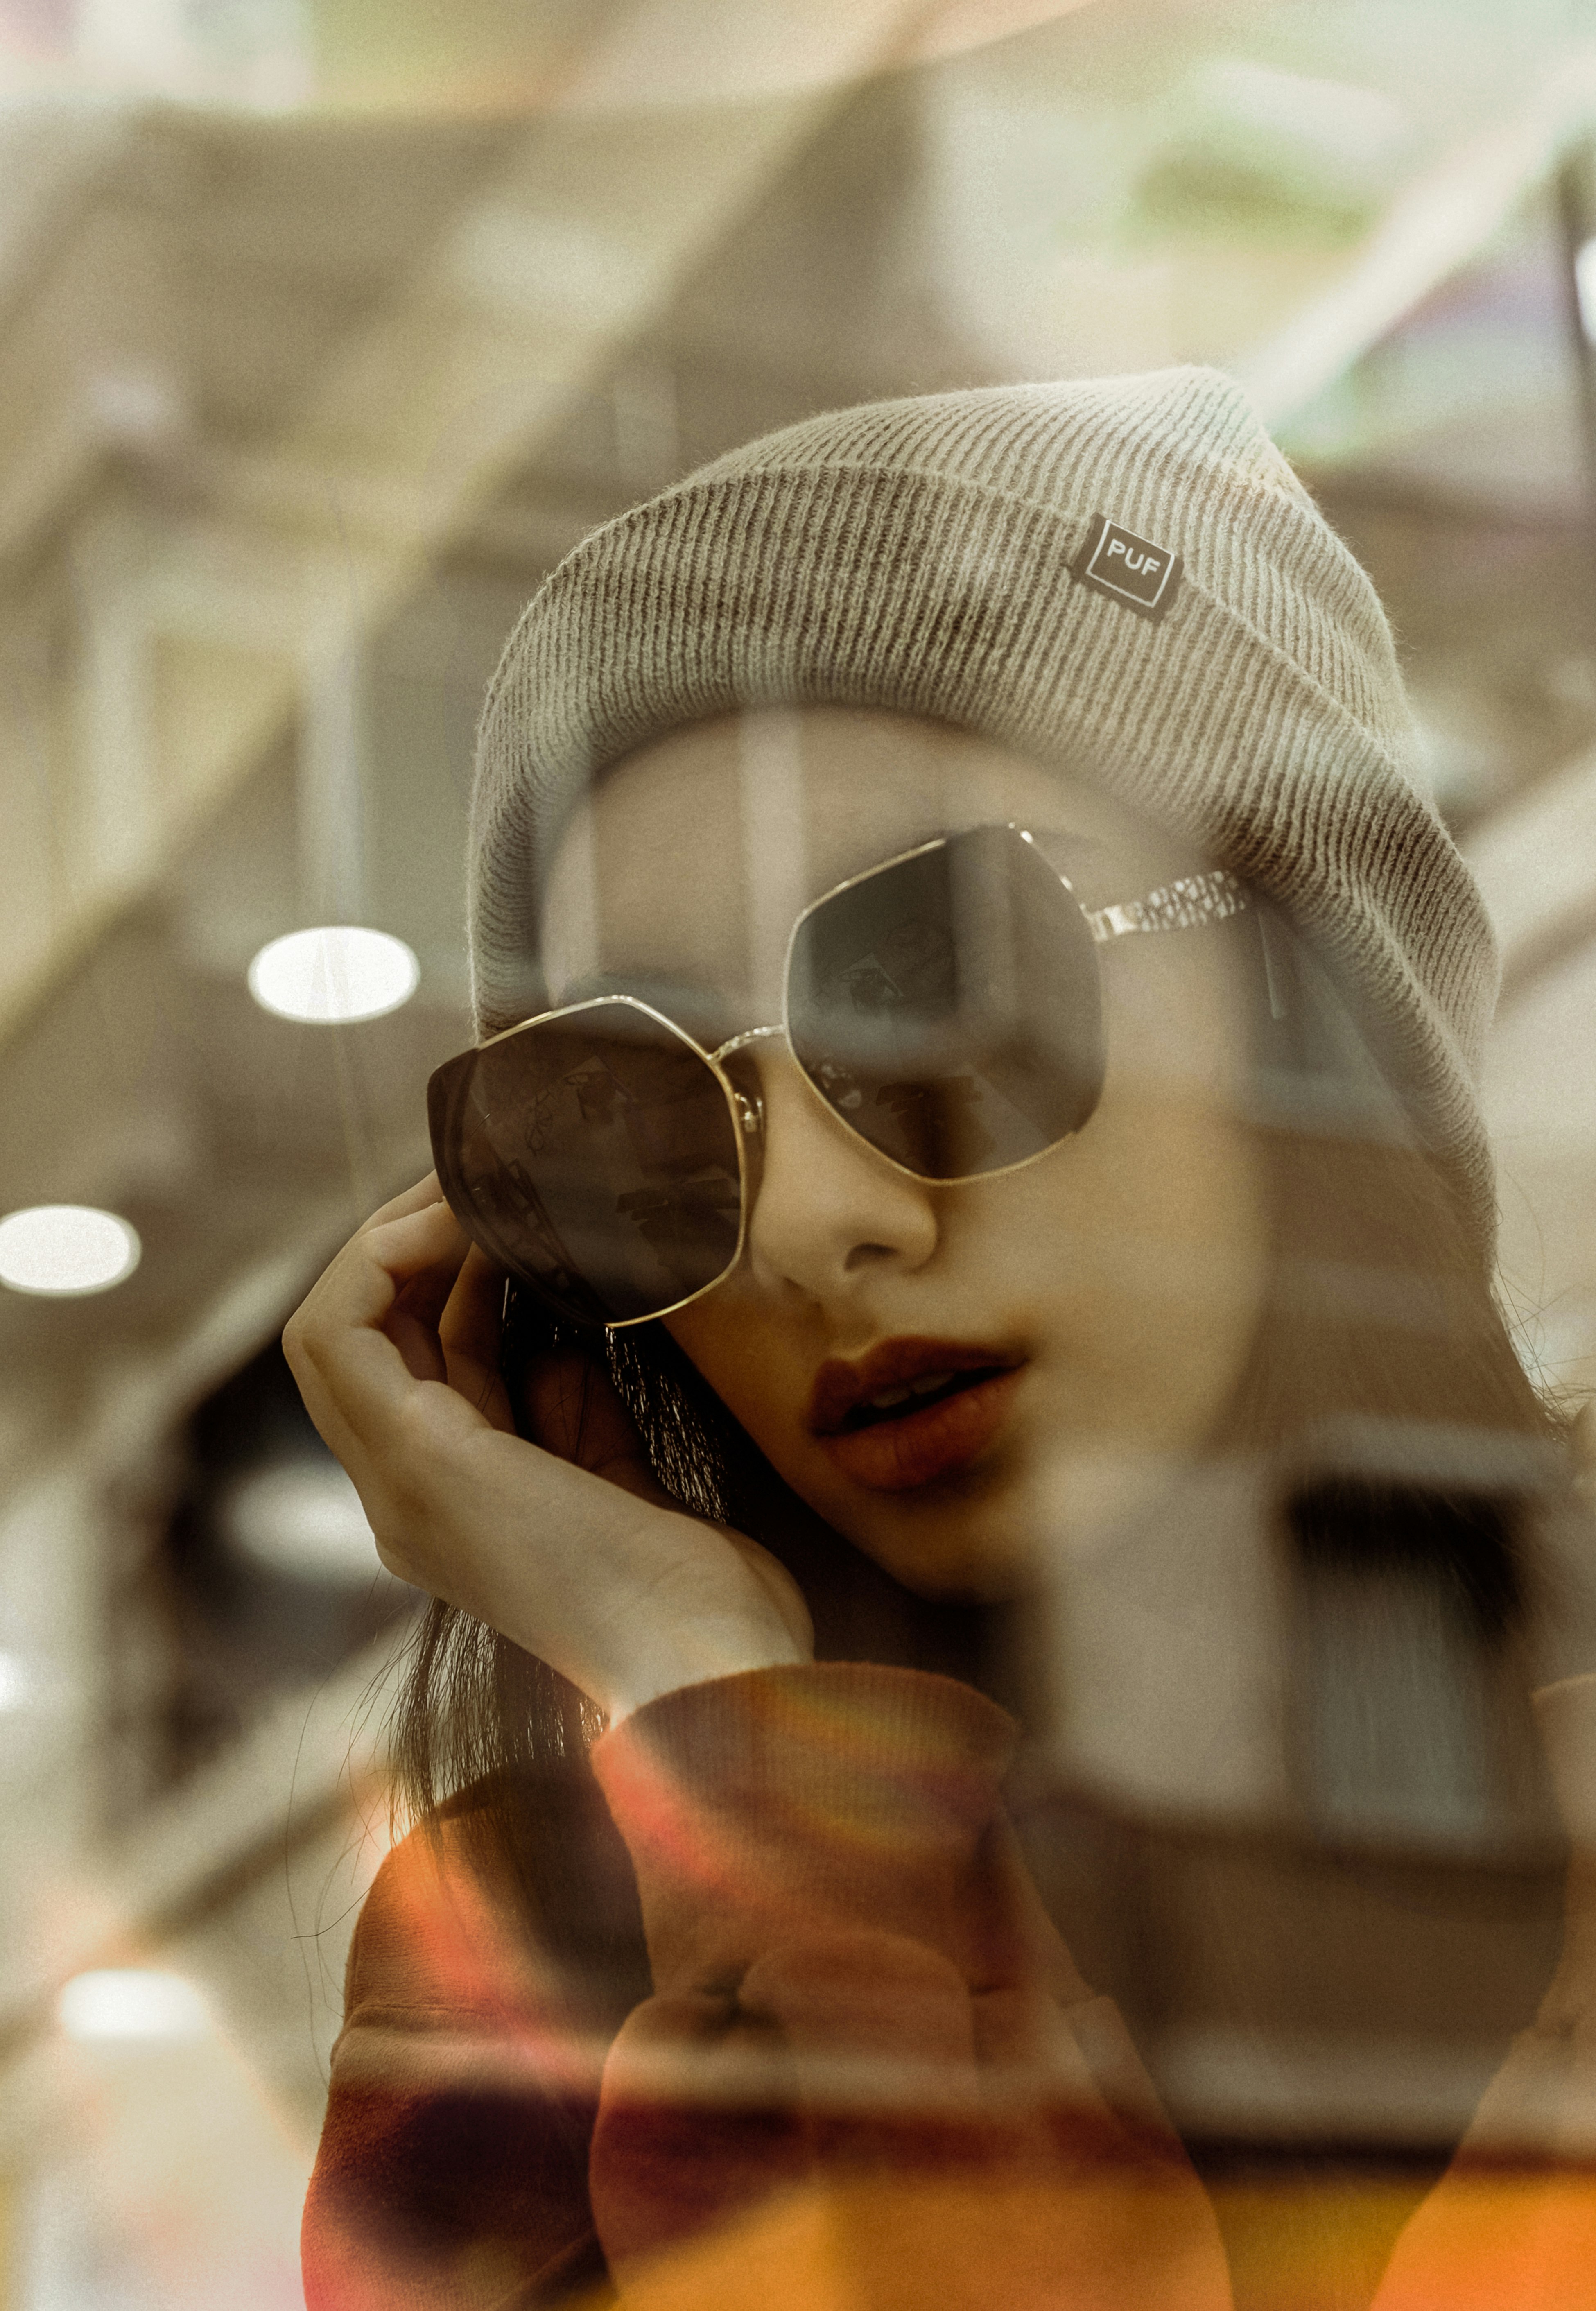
(828,1210)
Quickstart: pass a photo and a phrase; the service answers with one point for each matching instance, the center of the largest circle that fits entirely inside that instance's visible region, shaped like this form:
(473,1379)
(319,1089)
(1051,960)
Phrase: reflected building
(303,394)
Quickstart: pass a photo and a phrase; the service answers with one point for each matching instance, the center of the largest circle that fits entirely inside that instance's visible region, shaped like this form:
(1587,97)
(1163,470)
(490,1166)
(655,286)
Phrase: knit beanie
(1119,575)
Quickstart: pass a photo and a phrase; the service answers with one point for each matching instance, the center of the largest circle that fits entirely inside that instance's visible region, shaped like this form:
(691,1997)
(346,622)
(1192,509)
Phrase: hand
(568,1546)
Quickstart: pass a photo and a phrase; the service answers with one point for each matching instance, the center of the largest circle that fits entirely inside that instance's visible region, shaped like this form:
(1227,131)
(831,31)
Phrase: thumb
(572,1409)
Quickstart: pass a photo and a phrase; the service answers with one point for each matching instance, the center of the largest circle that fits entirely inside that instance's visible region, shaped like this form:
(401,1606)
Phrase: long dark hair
(1380,1311)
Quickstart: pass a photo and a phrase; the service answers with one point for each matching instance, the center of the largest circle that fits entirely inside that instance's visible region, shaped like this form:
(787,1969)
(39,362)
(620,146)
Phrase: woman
(970,997)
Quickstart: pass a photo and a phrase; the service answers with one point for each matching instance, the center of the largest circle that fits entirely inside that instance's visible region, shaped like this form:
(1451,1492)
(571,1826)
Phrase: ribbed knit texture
(915,555)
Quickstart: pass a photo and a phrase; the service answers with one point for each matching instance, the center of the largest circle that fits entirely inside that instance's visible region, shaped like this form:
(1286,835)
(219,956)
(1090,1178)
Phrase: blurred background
(326,327)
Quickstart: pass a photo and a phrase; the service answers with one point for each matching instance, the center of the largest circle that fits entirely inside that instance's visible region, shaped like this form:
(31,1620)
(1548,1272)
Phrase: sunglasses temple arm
(1188,905)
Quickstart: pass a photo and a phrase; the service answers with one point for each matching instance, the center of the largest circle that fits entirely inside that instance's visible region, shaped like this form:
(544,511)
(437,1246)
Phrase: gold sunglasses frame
(1190,903)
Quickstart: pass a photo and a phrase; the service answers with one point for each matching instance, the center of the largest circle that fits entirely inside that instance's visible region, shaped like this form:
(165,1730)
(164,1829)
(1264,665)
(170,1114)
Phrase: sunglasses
(944,1005)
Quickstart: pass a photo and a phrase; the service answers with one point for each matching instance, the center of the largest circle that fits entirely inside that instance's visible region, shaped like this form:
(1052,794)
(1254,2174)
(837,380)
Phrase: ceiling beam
(1434,228)
(567,252)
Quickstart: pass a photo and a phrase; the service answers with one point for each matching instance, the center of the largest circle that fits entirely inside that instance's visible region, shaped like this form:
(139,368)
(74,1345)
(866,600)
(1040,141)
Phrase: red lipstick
(875,1428)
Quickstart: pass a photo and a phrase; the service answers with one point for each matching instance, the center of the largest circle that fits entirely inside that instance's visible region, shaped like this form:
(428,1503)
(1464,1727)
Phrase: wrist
(701,1656)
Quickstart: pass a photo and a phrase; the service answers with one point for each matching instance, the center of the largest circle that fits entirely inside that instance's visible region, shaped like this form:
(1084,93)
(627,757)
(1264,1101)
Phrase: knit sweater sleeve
(863,2046)
(451,2173)
(866,2044)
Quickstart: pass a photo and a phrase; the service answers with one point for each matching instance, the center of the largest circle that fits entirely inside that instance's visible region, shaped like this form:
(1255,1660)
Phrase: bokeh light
(1584,276)
(18,1683)
(130,2002)
(67,1249)
(337,972)
(302,1517)
(334,324)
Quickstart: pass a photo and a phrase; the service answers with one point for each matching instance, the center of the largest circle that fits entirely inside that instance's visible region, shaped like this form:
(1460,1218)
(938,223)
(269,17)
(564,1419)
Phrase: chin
(976,1562)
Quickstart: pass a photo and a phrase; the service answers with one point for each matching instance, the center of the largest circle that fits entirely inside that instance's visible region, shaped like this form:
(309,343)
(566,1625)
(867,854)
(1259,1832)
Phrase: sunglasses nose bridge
(747,1097)
(736,1044)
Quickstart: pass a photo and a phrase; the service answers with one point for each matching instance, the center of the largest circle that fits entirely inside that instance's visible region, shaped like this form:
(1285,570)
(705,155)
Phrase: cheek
(758,1361)
(1152,1236)
(1132,1263)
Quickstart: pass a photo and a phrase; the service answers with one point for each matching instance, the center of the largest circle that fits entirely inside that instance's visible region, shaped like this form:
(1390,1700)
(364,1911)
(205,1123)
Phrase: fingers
(422,1293)
(574,1552)
(472,1321)
(470,1332)
(573,1410)
(368,1329)
(397,1207)
(412,1322)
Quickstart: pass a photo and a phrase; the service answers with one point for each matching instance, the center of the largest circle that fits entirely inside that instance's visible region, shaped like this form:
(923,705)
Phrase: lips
(955,1396)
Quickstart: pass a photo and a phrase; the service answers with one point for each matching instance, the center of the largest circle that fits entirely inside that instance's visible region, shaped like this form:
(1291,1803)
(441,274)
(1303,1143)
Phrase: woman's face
(1074,1327)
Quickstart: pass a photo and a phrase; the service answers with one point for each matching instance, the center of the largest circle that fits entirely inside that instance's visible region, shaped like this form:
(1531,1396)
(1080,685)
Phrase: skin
(1126,1266)
(1124,1270)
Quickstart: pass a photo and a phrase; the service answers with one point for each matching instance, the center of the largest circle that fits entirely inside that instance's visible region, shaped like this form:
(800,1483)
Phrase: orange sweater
(846,2046)
(766,2016)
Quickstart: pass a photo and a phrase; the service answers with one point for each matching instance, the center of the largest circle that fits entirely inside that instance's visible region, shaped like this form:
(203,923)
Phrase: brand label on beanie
(1129,569)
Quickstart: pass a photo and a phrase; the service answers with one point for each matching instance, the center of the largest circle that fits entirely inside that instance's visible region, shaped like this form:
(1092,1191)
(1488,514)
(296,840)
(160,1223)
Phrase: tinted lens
(595,1156)
(947,1007)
